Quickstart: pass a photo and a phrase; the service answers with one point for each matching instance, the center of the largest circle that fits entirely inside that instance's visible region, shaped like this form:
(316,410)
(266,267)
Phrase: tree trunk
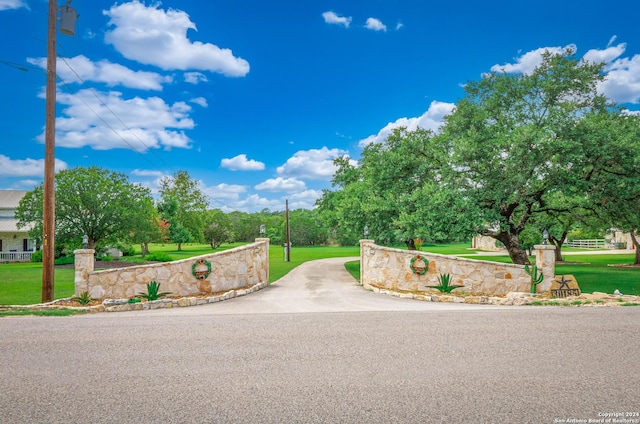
(411,245)
(558,244)
(517,254)
(179,247)
(634,239)
(144,249)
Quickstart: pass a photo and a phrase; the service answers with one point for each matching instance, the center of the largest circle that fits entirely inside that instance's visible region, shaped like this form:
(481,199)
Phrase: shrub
(36,256)
(133,259)
(64,260)
(159,257)
(126,249)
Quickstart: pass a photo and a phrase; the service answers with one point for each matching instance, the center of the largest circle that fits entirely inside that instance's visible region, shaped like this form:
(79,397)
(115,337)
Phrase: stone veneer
(236,268)
(388,268)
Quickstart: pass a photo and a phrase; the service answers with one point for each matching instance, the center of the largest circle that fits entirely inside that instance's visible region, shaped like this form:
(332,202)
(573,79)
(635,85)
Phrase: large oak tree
(102,204)
(517,150)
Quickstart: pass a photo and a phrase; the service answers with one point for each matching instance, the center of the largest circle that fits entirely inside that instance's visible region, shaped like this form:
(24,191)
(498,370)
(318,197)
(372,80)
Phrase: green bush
(158,257)
(126,249)
(36,256)
(133,259)
(64,260)
(107,258)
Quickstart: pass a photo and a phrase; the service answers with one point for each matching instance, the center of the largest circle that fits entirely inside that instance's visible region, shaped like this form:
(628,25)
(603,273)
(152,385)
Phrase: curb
(123,305)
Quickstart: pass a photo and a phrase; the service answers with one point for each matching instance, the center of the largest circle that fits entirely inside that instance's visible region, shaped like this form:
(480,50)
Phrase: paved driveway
(317,286)
(315,348)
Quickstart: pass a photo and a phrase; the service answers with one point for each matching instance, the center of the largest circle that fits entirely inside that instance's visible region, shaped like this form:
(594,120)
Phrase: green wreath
(201,275)
(420,270)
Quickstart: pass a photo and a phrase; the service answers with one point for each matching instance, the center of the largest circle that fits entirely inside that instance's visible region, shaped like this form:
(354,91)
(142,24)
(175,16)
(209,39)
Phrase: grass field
(594,273)
(20,284)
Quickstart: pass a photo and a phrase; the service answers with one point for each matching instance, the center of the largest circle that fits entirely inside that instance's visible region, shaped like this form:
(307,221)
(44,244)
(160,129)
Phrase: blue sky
(255,99)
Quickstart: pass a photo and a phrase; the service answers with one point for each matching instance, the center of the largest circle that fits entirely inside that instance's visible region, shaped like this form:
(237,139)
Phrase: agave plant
(445,285)
(153,291)
(83,299)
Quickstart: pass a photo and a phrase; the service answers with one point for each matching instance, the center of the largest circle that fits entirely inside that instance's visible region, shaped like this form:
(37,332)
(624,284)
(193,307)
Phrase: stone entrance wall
(388,268)
(231,269)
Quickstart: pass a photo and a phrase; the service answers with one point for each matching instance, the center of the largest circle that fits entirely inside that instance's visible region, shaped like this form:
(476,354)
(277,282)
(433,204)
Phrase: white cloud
(399,25)
(241,163)
(375,25)
(111,74)
(195,77)
(622,83)
(200,101)
(13,4)
(281,184)
(432,120)
(333,18)
(107,121)
(304,199)
(314,164)
(222,195)
(148,173)
(526,63)
(606,55)
(159,37)
(26,167)
(255,203)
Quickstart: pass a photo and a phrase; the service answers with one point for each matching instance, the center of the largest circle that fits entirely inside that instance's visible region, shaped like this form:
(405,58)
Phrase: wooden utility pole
(49,202)
(287,257)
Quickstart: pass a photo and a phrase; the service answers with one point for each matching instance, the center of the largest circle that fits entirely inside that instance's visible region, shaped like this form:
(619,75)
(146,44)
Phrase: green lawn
(278,268)
(593,272)
(444,249)
(20,284)
(188,249)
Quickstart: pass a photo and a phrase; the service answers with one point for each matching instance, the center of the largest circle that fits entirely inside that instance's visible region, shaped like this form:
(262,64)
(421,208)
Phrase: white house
(15,244)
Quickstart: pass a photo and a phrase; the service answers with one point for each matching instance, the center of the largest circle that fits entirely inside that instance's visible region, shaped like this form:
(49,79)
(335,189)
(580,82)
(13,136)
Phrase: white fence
(586,244)
(15,256)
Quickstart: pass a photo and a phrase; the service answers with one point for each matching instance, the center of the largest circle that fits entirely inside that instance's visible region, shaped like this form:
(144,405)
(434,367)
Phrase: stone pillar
(264,259)
(546,263)
(84,264)
(364,261)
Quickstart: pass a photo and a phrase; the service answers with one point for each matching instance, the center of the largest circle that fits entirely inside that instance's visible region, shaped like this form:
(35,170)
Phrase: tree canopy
(518,150)
(184,206)
(102,204)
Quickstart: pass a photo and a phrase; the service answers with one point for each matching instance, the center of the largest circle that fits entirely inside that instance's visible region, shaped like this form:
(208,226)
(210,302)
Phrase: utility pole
(287,250)
(49,202)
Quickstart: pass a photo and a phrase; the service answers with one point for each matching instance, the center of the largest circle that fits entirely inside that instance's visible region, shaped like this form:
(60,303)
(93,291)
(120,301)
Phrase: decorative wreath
(201,274)
(419,265)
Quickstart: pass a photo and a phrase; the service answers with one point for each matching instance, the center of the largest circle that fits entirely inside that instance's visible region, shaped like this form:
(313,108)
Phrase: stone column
(546,263)
(84,264)
(364,253)
(264,259)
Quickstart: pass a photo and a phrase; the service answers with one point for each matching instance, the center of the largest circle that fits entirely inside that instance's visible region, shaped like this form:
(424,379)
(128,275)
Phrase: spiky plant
(445,285)
(153,292)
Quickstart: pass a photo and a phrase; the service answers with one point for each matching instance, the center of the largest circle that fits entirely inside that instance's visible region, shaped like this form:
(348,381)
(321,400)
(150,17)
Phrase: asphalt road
(316,348)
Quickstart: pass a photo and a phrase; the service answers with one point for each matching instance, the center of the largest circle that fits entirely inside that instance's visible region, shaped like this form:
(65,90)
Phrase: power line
(114,114)
(71,90)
